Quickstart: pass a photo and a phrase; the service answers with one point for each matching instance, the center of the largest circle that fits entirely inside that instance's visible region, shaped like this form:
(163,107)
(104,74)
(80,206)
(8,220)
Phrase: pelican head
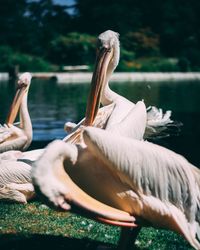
(110,39)
(106,61)
(22,88)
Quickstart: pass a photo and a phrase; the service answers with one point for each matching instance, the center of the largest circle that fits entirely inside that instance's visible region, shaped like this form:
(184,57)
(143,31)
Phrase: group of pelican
(104,165)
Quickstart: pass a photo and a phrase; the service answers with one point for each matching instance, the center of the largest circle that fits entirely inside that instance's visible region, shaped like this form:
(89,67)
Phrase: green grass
(36,226)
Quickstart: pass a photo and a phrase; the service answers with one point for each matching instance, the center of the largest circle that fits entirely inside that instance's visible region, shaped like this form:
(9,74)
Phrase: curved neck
(64,152)
(56,153)
(109,96)
(25,120)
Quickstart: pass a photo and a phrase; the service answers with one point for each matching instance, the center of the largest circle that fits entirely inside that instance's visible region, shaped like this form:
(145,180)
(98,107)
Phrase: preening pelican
(152,184)
(115,107)
(15,180)
(13,137)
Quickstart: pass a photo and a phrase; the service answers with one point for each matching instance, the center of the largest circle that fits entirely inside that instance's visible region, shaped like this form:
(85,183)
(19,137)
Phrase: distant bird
(14,137)
(115,107)
(152,184)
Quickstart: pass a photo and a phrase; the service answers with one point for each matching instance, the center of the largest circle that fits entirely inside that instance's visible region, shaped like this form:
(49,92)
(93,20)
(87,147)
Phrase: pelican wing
(160,125)
(5,133)
(31,156)
(103,115)
(14,172)
(162,181)
(133,125)
(75,130)
(15,181)
(148,168)
(11,138)
(157,118)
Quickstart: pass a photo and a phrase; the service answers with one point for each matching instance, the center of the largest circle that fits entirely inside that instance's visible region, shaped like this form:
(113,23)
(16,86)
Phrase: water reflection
(52,104)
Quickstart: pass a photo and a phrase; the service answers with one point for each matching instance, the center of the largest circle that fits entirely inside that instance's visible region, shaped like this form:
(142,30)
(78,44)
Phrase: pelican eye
(22,85)
(106,49)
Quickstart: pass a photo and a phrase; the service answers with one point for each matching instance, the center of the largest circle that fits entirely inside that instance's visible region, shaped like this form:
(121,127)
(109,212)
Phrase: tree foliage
(74,48)
(174,25)
(155,28)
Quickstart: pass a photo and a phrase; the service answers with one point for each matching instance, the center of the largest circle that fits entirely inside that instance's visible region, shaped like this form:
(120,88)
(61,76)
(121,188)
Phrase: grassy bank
(36,226)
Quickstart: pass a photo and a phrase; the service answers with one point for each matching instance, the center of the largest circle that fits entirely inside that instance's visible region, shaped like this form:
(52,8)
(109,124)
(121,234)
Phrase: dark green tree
(74,48)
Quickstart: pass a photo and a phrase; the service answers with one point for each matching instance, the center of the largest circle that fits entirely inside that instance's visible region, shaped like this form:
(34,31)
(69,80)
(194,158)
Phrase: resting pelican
(13,137)
(113,103)
(152,184)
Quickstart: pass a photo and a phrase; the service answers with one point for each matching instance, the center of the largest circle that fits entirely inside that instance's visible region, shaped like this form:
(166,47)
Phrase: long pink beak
(95,208)
(103,57)
(14,109)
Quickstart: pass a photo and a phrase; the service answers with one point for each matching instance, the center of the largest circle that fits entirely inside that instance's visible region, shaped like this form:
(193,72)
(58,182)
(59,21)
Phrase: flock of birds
(104,165)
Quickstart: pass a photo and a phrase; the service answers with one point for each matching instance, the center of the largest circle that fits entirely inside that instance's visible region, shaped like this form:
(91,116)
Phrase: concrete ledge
(4,76)
(83,77)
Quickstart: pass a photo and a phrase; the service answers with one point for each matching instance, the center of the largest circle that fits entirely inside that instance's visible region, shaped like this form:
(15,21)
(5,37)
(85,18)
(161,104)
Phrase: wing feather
(147,168)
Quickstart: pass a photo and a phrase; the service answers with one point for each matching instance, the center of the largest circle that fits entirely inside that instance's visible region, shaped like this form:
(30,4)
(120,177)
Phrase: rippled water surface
(51,105)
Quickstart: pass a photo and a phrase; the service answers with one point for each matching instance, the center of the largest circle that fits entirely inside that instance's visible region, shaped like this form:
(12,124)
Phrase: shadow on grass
(41,242)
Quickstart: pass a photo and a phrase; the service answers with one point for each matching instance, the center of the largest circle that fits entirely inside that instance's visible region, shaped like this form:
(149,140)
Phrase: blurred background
(50,35)
(46,35)
(155,36)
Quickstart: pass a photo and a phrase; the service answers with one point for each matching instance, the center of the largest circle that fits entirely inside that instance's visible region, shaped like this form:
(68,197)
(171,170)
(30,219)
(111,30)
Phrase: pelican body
(15,179)
(152,185)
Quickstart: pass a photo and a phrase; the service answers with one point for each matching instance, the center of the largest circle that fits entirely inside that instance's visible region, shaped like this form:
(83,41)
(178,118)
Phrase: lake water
(51,105)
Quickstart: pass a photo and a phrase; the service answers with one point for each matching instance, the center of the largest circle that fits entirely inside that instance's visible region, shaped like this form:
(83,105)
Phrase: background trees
(152,33)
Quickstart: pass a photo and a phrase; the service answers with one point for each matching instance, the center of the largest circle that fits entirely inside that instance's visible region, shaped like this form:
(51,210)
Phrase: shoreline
(80,77)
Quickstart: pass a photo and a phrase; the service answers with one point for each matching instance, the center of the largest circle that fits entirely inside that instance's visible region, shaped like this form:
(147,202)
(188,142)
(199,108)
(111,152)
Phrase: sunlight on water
(52,104)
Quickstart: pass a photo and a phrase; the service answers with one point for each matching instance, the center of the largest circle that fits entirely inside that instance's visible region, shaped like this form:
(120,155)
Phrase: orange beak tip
(117,223)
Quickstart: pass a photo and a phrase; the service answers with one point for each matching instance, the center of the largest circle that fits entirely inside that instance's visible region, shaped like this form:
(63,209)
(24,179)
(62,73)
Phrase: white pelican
(15,181)
(152,184)
(113,103)
(13,137)
(115,107)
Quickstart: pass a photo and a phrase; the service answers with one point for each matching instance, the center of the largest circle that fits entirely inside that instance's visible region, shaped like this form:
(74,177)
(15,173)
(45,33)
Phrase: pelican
(15,180)
(115,107)
(108,53)
(152,185)
(13,137)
